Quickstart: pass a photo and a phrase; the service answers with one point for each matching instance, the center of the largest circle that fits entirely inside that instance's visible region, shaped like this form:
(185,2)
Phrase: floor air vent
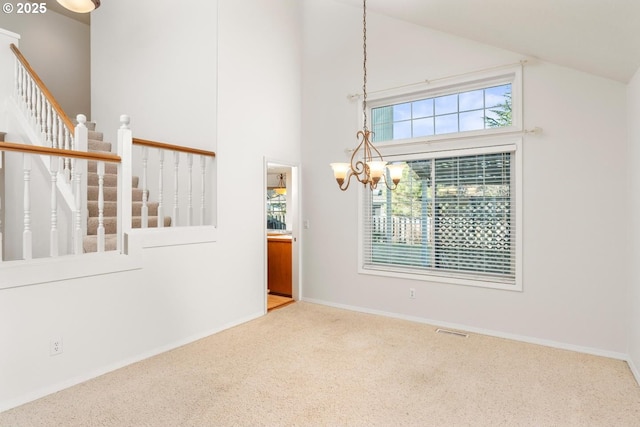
(448,332)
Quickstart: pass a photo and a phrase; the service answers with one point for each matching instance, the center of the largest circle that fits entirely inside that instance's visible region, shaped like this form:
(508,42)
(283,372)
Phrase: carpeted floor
(309,365)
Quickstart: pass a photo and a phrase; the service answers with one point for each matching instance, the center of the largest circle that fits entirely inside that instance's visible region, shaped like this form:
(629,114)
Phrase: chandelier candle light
(367,164)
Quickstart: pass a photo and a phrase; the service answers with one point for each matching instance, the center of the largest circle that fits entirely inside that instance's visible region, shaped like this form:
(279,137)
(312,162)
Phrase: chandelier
(281,189)
(367,164)
(80,6)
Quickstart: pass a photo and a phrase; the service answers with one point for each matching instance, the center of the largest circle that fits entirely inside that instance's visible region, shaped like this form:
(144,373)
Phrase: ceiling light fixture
(80,6)
(367,164)
(281,189)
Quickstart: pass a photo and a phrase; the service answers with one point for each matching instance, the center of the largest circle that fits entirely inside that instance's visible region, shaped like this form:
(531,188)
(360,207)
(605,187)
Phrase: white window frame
(491,140)
(481,80)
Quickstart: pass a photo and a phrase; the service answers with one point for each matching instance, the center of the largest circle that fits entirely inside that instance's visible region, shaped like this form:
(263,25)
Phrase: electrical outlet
(412,293)
(55,346)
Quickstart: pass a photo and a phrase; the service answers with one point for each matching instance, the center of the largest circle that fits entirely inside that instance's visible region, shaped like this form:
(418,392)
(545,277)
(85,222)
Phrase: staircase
(90,242)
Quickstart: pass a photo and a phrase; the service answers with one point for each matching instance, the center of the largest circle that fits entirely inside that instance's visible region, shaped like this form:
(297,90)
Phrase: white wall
(184,292)
(575,198)
(633,104)
(58,49)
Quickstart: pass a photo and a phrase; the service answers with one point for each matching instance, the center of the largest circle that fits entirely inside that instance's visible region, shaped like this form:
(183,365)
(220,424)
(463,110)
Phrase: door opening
(281,231)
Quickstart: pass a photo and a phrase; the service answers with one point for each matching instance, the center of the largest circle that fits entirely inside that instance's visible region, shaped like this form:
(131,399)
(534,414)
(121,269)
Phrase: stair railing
(178,151)
(54,154)
(47,115)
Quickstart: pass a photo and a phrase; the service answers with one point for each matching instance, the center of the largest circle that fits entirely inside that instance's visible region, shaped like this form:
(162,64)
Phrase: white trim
(456,84)
(45,391)
(44,270)
(634,369)
(9,33)
(294,210)
(173,236)
(480,331)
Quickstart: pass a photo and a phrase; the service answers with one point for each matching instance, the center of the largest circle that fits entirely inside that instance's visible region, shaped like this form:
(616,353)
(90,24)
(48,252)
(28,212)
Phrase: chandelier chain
(364,62)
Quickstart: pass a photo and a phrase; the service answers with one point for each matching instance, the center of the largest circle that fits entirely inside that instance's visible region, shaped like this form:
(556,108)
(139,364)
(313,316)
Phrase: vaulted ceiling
(600,37)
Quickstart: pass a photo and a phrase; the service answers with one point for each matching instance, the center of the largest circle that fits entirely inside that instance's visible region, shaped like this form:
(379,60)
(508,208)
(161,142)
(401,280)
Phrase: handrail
(36,149)
(165,146)
(67,121)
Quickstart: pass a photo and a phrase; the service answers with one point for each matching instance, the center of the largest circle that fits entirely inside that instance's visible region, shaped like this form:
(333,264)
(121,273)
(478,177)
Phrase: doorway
(281,222)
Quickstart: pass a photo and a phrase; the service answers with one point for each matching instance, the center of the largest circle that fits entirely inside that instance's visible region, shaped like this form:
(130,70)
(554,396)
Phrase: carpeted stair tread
(110,180)
(99,146)
(111,208)
(95,135)
(90,243)
(92,166)
(111,193)
(111,224)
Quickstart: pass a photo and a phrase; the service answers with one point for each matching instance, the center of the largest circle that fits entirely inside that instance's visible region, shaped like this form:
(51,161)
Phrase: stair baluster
(53,130)
(100,169)
(161,189)
(27,242)
(203,181)
(176,189)
(1,197)
(144,213)
(190,190)
(67,144)
(53,233)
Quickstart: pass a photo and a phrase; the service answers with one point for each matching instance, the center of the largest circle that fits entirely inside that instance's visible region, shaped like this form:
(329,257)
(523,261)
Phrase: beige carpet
(309,365)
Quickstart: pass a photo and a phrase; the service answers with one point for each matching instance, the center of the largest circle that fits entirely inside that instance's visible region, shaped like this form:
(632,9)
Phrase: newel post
(125,144)
(79,182)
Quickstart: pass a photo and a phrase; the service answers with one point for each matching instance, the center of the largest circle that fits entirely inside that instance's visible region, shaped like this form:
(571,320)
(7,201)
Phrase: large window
(451,216)
(455,216)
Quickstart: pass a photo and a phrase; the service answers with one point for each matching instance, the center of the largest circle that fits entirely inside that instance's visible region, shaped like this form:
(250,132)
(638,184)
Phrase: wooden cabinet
(279,265)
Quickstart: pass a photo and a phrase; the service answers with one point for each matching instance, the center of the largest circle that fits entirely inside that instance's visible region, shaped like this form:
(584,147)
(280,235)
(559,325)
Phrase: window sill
(479,282)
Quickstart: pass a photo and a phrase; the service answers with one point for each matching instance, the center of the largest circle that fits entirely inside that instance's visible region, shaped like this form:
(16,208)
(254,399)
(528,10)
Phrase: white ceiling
(600,37)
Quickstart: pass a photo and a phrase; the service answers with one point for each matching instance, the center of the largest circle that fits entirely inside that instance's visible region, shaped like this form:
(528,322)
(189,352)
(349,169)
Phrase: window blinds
(452,216)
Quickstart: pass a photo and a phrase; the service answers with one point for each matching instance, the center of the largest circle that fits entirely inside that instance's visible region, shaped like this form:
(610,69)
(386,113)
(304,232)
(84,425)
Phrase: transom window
(472,110)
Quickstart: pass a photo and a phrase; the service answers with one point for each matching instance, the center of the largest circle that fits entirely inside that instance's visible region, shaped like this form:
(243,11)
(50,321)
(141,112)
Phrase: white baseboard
(45,391)
(634,370)
(481,331)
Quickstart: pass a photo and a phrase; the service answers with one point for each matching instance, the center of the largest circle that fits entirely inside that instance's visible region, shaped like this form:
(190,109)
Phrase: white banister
(27,243)
(160,189)
(125,145)
(42,114)
(176,189)
(53,234)
(187,191)
(145,190)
